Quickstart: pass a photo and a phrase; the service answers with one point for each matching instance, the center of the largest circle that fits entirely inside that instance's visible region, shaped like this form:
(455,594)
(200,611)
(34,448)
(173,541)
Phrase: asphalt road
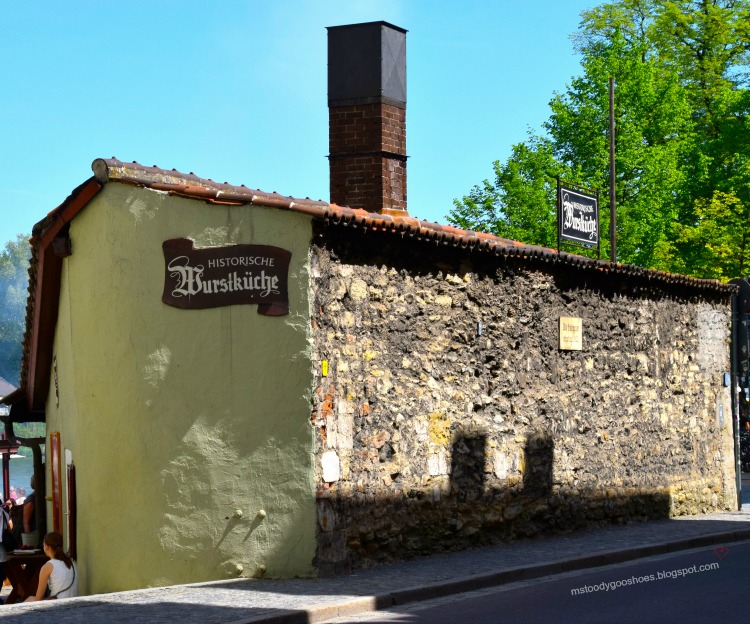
(699,586)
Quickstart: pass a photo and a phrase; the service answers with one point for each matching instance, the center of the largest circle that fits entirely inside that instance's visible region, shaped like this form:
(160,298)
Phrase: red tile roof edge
(34,377)
(192,186)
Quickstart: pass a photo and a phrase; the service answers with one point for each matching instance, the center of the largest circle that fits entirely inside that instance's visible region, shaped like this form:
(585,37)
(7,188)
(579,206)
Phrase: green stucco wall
(177,418)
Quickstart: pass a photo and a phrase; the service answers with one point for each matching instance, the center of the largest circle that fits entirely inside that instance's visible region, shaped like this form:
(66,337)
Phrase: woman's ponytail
(54,541)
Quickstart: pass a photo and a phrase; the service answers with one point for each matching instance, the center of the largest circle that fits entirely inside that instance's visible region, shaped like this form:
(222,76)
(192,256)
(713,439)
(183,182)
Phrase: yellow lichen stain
(439,429)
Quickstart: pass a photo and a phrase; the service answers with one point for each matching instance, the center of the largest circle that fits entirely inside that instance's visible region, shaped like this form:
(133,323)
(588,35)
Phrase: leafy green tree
(719,237)
(525,187)
(14,268)
(683,139)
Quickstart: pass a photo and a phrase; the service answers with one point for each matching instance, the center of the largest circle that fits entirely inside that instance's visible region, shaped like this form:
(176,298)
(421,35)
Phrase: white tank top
(62,578)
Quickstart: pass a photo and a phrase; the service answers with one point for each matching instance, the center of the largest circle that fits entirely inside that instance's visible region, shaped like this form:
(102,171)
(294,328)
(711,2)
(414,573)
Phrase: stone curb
(322,612)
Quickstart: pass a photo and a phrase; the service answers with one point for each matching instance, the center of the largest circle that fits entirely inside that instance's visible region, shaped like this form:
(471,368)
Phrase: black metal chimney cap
(366,63)
(368,25)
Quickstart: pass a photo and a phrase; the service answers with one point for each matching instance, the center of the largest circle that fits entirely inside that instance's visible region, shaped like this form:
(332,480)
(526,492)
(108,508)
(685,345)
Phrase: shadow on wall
(460,510)
(468,478)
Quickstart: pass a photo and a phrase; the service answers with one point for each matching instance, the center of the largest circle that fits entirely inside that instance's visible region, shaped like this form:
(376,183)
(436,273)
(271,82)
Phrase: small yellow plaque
(571,333)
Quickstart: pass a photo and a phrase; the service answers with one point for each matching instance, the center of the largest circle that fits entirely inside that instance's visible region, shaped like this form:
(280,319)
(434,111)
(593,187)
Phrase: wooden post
(612,177)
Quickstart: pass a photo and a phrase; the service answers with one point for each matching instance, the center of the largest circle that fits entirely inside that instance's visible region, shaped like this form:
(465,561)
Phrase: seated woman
(59,573)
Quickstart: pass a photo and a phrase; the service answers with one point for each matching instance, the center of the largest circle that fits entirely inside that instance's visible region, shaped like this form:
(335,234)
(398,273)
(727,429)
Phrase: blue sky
(236,91)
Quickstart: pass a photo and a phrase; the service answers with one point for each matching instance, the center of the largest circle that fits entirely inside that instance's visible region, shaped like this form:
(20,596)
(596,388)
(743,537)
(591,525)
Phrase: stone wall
(447,416)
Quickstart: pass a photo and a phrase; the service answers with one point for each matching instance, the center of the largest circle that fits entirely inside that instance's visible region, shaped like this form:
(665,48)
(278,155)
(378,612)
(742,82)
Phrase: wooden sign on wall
(571,333)
(220,276)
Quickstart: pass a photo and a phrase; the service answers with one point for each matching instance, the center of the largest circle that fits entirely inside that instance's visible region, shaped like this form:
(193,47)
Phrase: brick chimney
(367,116)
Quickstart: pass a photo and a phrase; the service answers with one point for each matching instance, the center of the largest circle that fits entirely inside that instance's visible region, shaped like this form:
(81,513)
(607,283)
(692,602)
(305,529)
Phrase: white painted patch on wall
(157,366)
(502,465)
(213,237)
(437,463)
(140,209)
(331,466)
